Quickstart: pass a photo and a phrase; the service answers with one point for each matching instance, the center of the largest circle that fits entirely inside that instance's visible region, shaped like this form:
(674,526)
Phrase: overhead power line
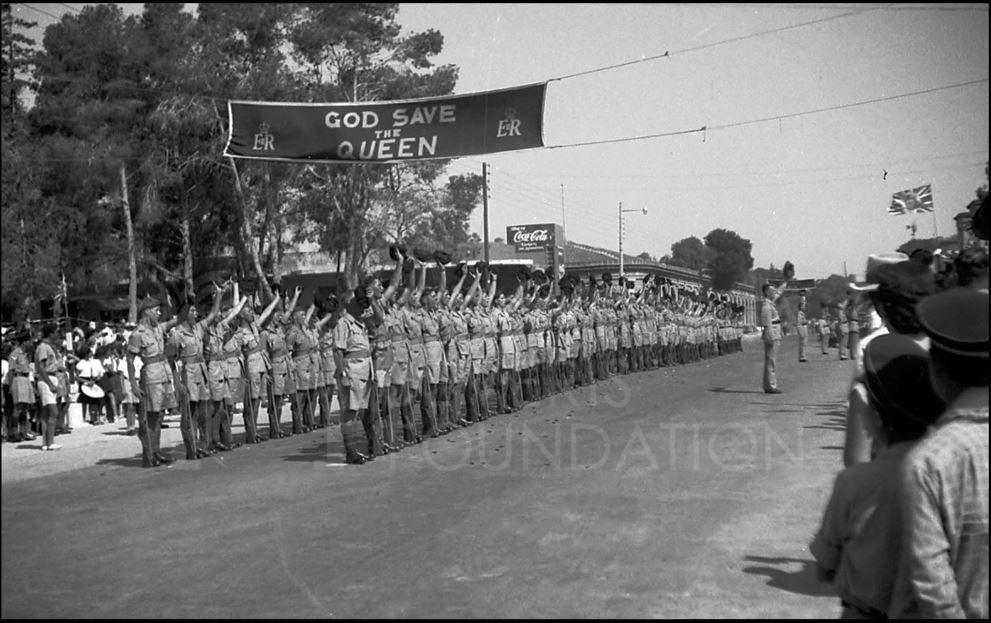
(34,8)
(736,124)
(669,53)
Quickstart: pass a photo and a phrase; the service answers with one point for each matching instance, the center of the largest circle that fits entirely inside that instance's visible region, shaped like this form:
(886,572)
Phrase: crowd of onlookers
(905,531)
(91,370)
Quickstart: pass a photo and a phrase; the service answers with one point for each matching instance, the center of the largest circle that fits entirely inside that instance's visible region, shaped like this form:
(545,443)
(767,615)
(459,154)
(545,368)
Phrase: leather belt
(775,322)
(398,338)
(230,354)
(278,353)
(252,351)
(21,373)
(431,338)
(197,358)
(302,352)
(152,359)
(215,359)
(358,354)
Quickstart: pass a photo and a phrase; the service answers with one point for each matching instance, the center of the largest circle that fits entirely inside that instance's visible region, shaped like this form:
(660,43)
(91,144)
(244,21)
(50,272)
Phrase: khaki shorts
(159,396)
(434,363)
(46,394)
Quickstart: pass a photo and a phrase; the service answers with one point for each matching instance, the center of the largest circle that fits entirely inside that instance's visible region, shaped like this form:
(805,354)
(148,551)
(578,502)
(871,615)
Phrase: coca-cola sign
(530,237)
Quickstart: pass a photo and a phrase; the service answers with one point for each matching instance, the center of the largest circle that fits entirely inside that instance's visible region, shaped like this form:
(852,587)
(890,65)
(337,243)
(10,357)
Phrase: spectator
(943,570)
(89,370)
(895,289)
(971,266)
(859,542)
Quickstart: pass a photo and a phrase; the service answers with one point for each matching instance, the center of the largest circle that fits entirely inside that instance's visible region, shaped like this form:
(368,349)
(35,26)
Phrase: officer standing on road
(771,334)
(843,330)
(355,377)
(803,328)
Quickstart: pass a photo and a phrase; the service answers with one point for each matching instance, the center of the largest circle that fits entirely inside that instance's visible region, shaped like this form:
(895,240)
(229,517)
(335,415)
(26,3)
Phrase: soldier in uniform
(423,423)
(842,330)
(192,374)
(221,393)
(434,361)
(803,328)
(256,367)
(771,335)
(155,387)
(306,360)
(476,395)
(853,324)
(21,391)
(824,332)
(458,350)
(507,349)
(46,368)
(355,378)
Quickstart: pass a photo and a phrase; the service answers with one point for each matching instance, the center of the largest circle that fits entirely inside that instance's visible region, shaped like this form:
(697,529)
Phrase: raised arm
(396,279)
(237,310)
(297,291)
(268,311)
(456,290)
(218,294)
(309,313)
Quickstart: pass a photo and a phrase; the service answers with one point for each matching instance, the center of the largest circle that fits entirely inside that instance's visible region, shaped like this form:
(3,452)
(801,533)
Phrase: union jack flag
(915,200)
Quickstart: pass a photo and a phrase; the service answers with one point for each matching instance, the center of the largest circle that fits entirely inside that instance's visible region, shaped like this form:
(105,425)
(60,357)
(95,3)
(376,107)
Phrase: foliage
(732,257)
(149,92)
(691,253)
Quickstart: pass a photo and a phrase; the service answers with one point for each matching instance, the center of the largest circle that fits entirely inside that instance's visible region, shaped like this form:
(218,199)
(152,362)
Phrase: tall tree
(732,257)
(691,253)
(354,52)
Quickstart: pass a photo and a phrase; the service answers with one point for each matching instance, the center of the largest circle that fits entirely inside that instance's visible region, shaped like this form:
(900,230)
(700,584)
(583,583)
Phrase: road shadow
(804,581)
(831,448)
(723,390)
(324,452)
(125,462)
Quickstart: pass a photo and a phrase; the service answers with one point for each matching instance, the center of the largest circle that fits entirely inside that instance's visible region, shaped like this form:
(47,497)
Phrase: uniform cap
(442,257)
(956,321)
(896,373)
(147,303)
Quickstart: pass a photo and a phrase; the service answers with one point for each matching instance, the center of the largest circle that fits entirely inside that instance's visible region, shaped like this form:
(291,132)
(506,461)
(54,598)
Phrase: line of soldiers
(408,363)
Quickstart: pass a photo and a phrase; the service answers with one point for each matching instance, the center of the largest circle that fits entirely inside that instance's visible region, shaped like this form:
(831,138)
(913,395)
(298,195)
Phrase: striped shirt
(943,572)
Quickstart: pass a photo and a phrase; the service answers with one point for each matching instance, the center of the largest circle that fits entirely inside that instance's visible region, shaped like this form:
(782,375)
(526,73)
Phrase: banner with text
(530,237)
(395,131)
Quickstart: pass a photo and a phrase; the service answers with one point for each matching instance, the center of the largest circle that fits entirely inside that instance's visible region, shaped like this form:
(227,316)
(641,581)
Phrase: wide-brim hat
(874,262)
(907,281)
(442,257)
(896,375)
(956,321)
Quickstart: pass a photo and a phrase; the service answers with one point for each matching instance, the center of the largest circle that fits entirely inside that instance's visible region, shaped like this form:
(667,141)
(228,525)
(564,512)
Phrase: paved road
(683,492)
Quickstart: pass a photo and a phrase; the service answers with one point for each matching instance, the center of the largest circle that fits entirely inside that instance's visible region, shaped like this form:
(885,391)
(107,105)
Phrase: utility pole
(562,208)
(485,210)
(846,275)
(620,238)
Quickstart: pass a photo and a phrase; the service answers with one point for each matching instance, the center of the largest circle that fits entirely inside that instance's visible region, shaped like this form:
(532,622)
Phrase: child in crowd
(858,545)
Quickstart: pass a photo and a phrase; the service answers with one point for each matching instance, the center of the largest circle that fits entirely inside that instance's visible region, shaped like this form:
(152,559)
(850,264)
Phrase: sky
(812,189)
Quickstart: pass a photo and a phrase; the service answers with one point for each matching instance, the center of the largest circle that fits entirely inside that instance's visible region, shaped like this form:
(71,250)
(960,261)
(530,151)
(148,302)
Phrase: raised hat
(395,250)
(956,321)
(896,374)
(607,278)
(788,271)
(875,261)
(421,254)
(442,257)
